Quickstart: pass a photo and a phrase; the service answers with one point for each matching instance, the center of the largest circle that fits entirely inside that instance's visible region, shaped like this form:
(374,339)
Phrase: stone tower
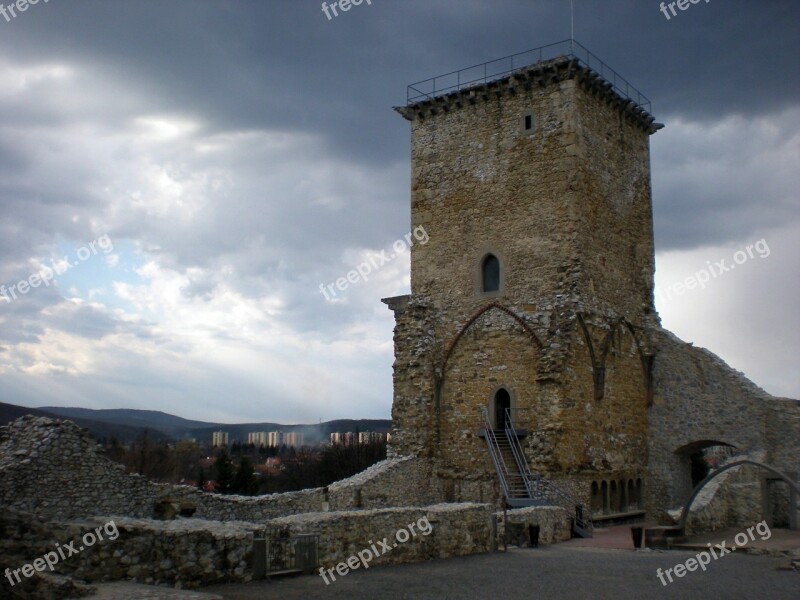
(536,286)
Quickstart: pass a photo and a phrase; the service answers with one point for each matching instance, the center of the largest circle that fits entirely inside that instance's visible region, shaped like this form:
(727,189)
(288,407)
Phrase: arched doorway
(502,401)
(696,461)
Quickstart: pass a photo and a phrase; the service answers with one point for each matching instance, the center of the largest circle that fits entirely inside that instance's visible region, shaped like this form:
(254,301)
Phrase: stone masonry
(544,175)
(547,171)
(56,484)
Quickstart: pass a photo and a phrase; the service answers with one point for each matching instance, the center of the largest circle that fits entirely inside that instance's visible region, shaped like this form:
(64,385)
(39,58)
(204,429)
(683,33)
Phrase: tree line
(233,469)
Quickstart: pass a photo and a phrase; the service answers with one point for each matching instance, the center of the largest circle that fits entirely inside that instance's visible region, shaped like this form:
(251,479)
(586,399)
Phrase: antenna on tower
(572,26)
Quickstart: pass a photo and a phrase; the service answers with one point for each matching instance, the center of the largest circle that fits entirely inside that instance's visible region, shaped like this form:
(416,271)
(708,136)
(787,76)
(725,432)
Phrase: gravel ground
(133,591)
(549,572)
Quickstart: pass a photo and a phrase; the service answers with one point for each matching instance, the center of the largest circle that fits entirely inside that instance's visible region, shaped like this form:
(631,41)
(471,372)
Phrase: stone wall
(192,552)
(731,499)
(187,552)
(55,484)
(414,404)
(616,404)
(195,552)
(54,469)
(403,481)
(455,530)
(700,401)
(555,525)
(566,208)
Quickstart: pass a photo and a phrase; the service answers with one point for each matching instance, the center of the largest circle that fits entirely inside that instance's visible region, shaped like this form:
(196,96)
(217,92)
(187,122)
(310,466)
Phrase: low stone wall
(402,481)
(553,521)
(187,552)
(54,469)
(190,552)
(453,530)
(247,508)
(195,552)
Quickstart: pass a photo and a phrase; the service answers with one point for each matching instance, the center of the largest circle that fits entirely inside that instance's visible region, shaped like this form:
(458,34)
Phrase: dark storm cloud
(291,164)
(280,63)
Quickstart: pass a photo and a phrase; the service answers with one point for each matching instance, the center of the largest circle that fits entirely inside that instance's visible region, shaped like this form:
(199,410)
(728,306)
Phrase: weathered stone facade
(455,530)
(700,401)
(554,525)
(548,171)
(733,498)
(53,469)
(55,485)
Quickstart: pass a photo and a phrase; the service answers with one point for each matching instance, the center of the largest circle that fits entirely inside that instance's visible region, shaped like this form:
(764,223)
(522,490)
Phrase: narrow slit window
(490,274)
(528,122)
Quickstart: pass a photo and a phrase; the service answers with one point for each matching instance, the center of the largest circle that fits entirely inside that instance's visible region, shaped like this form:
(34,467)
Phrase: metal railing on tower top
(500,67)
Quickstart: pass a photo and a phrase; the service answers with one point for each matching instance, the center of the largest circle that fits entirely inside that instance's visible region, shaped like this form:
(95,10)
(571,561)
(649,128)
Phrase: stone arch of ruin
(793,509)
(692,447)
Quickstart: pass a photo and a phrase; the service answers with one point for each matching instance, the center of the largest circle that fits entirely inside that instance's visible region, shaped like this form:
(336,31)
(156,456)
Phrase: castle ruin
(529,352)
(531,369)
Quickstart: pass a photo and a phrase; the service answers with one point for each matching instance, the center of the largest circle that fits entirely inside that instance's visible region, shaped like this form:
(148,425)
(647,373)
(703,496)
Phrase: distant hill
(152,419)
(179,428)
(99,428)
(10,412)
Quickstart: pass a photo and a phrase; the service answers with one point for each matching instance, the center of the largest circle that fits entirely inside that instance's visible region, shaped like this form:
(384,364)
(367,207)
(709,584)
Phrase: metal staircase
(520,486)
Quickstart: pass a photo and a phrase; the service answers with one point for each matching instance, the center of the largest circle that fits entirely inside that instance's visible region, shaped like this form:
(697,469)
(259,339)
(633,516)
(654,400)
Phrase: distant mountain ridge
(152,419)
(128,424)
(98,428)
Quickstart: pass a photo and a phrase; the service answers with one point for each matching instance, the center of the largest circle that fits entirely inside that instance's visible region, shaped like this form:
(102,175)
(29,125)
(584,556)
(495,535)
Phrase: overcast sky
(206,165)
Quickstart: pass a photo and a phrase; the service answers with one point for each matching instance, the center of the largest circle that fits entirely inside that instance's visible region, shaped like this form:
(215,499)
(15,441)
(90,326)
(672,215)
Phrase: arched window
(490,273)
(597,499)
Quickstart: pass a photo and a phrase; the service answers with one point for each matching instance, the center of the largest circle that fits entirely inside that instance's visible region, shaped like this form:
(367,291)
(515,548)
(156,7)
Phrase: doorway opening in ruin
(700,466)
(502,401)
(699,459)
(708,458)
(776,500)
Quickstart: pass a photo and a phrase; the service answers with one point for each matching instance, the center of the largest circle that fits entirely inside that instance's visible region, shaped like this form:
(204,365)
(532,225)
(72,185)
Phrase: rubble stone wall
(455,530)
(54,469)
(700,401)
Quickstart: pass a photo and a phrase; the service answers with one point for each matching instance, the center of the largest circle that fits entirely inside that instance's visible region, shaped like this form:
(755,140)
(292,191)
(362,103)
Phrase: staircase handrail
(519,455)
(580,510)
(494,452)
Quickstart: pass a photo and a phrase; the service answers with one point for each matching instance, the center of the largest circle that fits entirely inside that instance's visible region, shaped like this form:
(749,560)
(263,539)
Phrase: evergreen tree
(245,481)
(225,473)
